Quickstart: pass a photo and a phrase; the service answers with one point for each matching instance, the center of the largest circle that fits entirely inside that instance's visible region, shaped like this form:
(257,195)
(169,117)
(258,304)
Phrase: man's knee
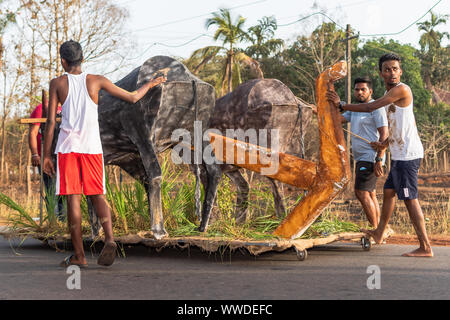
(97,197)
(362,195)
(389,193)
(412,204)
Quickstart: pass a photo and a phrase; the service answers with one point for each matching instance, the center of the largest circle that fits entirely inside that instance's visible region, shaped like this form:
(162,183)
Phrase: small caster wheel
(301,254)
(365,243)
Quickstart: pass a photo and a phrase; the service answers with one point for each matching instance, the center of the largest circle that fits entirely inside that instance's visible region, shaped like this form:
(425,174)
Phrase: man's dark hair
(364,79)
(71,52)
(388,57)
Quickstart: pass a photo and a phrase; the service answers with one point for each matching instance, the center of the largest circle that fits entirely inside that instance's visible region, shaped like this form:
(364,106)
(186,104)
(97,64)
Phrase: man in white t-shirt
(80,168)
(406,152)
(372,126)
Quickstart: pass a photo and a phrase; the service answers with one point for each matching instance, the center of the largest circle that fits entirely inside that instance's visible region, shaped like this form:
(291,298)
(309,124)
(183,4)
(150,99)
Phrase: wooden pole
(348,80)
(28,176)
(354,134)
(41,184)
(445,160)
(348,89)
(35,120)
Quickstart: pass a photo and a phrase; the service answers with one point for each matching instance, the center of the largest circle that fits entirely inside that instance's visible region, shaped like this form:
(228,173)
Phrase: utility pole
(348,81)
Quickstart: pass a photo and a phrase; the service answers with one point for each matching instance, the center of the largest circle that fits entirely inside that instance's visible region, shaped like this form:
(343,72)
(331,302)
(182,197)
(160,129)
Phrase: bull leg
(242,194)
(152,178)
(278,201)
(93,218)
(153,188)
(210,184)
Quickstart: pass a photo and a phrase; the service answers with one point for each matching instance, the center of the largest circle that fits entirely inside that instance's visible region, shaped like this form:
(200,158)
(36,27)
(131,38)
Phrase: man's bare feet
(374,234)
(388,232)
(420,252)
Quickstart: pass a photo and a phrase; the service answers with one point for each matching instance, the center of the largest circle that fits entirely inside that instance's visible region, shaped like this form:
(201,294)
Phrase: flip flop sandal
(66,263)
(108,254)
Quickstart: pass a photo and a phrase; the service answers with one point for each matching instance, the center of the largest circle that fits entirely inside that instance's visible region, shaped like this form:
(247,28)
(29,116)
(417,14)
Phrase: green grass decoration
(129,208)
(22,218)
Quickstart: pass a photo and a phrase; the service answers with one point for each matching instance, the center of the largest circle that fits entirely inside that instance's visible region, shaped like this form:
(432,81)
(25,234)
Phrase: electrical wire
(281,25)
(195,17)
(170,46)
(403,30)
(308,16)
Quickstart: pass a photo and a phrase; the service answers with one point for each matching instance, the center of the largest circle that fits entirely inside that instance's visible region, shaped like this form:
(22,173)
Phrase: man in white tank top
(406,152)
(80,168)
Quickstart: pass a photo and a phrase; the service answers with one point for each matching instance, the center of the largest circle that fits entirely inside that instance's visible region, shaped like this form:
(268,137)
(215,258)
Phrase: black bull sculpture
(133,134)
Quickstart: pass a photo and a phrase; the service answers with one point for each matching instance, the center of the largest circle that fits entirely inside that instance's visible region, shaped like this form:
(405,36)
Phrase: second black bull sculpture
(133,135)
(259,104)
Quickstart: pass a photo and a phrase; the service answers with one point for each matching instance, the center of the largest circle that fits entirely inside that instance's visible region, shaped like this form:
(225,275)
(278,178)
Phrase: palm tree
(230,33)
(261,36)
(430,44)
(431,39)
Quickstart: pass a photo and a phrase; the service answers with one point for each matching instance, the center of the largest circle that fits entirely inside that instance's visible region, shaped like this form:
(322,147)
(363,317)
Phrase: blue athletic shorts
(403,178)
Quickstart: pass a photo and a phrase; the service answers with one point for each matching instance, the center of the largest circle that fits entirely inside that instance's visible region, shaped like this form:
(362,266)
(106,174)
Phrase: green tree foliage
(432,120)
(231,33)
(435,59)
(365,62)
(299,64)
(221,63)
(6,17)
(262,38)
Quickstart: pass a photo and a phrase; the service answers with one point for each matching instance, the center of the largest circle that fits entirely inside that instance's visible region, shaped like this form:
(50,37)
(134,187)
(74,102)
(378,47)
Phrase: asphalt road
(29,270)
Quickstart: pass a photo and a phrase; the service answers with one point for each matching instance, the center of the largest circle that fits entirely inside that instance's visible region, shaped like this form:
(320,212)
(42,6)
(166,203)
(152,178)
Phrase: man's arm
(392,96)
(125,95)
(384,135)
(50,128)
(32,143)
(335,100)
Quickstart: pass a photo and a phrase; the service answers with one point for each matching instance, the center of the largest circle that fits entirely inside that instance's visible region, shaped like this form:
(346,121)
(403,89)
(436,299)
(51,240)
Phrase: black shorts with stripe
(403,178)
(365,178)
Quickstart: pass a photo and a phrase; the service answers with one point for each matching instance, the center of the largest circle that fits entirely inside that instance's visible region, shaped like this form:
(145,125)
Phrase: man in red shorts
(34,143)
(80,168)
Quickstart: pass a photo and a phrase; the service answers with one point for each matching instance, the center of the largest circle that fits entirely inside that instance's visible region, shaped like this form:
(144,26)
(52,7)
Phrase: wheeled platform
(208,244)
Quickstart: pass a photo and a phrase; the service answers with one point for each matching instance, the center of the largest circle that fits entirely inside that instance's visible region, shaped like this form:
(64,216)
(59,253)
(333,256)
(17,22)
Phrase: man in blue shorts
(373,126)
(406,152)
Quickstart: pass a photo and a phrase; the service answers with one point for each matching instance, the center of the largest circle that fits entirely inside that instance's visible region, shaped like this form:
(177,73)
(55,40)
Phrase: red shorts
(80,173)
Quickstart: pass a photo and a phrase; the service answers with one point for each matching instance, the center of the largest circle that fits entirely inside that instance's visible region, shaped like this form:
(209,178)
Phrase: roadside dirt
(436,240)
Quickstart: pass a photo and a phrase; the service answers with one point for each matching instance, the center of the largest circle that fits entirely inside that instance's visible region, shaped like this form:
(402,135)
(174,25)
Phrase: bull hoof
(158,235)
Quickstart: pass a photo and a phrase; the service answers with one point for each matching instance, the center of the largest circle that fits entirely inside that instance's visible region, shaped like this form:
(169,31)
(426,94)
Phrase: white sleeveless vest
(404,140)
(80,131)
